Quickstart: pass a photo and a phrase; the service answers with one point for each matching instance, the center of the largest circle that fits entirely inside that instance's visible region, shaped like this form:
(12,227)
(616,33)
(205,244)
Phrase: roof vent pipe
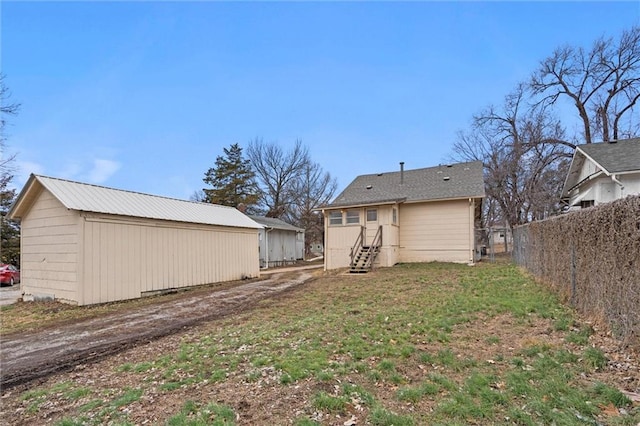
(402,172)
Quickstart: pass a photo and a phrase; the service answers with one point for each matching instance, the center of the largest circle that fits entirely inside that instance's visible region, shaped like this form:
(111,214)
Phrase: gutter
(586,179)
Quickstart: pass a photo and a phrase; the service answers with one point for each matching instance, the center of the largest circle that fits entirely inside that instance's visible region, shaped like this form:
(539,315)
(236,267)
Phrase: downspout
(616,180)
(325,230)
(472,236)
(266,251)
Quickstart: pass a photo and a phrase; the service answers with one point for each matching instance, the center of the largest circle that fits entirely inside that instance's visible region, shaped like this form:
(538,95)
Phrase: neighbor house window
(353,216)
(394,216)
(372,215)
(335,218)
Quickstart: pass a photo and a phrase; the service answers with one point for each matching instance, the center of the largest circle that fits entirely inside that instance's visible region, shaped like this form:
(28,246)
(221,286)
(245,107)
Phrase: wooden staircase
(362,257)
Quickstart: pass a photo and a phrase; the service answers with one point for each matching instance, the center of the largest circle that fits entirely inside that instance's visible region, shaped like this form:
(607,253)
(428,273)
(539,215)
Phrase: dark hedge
(591,258)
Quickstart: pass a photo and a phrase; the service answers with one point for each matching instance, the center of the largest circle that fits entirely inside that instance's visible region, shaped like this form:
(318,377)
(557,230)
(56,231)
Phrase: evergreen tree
(9,229)
(232,180)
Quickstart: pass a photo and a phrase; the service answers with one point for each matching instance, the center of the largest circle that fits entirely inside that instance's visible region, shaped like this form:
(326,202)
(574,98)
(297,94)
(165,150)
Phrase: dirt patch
(37,354)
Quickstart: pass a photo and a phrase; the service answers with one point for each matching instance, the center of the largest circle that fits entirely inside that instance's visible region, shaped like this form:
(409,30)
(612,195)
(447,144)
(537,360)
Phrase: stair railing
(357,246)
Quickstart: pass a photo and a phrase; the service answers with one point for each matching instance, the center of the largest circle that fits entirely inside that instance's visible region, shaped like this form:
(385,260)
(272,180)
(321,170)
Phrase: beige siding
(125,258)
(389,253)
(341,238)
(338,243)
(437,231)
(49,249)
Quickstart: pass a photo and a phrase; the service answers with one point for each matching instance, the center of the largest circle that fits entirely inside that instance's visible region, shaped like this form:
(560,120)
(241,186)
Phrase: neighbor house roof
(271,222)
(99,199)
(616,157)
(451,181)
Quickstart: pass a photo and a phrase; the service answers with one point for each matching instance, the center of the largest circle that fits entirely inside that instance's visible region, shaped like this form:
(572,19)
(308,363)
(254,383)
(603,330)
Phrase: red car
(9,274)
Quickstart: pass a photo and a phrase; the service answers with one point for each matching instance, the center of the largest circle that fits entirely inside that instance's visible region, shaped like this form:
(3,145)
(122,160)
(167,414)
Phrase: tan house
(85,244)
(420,215)
(602,172)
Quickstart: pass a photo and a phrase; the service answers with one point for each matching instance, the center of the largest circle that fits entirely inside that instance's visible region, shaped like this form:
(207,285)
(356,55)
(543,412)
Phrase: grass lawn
(416,344)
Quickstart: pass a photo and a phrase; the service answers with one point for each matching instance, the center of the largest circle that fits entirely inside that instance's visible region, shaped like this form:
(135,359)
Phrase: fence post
(573,275)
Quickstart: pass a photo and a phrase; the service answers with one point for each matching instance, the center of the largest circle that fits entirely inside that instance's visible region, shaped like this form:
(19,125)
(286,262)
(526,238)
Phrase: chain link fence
(591,258)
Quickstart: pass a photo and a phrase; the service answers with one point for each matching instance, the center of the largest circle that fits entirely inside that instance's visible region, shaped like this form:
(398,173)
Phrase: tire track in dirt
(26,357)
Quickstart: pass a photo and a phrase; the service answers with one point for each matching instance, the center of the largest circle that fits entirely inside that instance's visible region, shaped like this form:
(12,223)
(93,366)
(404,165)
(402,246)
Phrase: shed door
(371,225)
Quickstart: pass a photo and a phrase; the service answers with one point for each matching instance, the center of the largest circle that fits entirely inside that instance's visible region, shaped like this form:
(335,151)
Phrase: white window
(353,216)
(372,215)
(335,218)
(394,218)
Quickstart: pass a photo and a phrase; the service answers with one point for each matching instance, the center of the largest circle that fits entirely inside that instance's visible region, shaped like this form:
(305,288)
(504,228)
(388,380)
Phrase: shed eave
(256,228)
(25,199)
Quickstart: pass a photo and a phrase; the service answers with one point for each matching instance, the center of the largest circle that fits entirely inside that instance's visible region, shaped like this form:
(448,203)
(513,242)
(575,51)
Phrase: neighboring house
(280,242)
(602,172)
(500,239)
(418,215)
(85,244)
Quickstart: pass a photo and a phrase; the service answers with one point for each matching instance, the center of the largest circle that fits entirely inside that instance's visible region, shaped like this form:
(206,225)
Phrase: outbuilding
(85,244)
(280,242)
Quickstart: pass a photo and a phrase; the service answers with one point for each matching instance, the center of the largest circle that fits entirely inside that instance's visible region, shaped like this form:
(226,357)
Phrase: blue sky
(145,95)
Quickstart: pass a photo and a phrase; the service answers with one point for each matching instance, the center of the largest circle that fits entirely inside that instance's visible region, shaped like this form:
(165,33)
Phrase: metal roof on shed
(272,222)
(99,199)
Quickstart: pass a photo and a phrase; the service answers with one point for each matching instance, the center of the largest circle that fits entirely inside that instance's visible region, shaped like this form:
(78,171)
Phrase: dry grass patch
(409,345)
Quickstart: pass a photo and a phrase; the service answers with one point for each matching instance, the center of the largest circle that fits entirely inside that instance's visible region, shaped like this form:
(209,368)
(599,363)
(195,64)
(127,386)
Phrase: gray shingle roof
(433,183)
(99,199)
(271,222)
(622,156)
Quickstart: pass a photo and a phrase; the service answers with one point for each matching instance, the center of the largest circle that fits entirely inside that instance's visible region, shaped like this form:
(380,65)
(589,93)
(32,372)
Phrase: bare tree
(603,83)
(9,230)
(523,164)
(277,172)
(198,196)
(313,188)
(6,108)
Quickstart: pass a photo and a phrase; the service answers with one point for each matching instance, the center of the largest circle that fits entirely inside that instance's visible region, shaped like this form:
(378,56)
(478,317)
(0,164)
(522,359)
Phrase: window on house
(335,218)
(586,203)
(372,215)
(394,216)
(353,216)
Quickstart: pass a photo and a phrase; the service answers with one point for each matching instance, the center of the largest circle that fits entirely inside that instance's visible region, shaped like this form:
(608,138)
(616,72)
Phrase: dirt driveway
(29,356)
(9,295)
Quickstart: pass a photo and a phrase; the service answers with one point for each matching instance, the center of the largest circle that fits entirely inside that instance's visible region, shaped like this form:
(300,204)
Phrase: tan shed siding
(439,231)
(125,258)
(49,249)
